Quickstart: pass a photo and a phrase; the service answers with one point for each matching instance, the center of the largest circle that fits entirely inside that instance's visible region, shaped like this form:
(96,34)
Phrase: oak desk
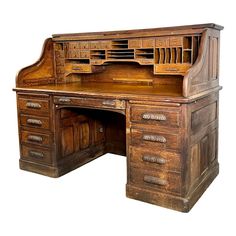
(150,95)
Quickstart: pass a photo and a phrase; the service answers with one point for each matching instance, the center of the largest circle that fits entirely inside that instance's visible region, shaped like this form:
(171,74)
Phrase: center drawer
(154,139)
(91,102)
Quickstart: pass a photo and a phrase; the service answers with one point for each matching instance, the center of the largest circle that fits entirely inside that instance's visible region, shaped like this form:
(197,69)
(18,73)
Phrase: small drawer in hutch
(135,43)
(84,54)
(84,45)
(95,45)
(105,44)
(148,43)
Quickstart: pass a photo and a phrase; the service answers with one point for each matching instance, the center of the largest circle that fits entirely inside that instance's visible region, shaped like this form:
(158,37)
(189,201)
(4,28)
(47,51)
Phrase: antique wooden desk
(150,95)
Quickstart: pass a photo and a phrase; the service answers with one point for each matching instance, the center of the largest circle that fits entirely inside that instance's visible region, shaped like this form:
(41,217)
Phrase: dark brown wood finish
(150,95)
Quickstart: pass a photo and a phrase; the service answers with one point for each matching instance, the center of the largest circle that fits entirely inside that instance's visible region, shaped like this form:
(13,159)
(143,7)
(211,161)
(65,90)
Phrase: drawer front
(34,121)
(149,158)
(77,68)
(35,138)
(158,180)
(33,105)
(35,154)
(155,116)
(91,102)
(171,68)
(151,139)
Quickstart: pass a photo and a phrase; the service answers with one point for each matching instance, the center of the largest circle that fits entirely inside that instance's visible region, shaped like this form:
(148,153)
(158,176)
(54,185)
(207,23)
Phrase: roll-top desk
(150,95)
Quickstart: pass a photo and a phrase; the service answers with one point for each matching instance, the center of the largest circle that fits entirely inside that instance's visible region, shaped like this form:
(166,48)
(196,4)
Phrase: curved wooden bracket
(41,72)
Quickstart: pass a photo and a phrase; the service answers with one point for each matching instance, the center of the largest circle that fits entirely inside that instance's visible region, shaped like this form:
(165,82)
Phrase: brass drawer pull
(34,122)
(109,103)
(171,69)
(154,159)
(154,180)
(64,100)
(154,138)
(153,116)
(35,138)
(36,154)
(33,105)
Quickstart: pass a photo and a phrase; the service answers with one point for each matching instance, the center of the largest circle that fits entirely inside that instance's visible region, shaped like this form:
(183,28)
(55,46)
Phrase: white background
(91,200)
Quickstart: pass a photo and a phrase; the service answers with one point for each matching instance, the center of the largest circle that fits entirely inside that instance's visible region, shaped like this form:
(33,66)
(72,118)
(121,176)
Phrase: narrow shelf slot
(187,57)
(147,53)
(78,61)
(188,42)
(121,54)
(97,54)
(121,43)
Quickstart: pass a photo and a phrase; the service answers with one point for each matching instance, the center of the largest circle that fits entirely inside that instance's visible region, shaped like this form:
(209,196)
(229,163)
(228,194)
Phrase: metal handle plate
(34,122)
(154,159)
(33,105)
(35,138)
(109,103)
(64,100)
(36,154)
(153,116)
(154,138)
(154,180)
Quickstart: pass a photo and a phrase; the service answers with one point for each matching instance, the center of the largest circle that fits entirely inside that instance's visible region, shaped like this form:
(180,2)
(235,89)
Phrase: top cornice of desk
(137,32)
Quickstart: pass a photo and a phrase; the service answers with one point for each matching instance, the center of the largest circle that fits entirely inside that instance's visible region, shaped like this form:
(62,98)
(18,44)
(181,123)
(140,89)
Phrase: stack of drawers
(34,129)
(154,153)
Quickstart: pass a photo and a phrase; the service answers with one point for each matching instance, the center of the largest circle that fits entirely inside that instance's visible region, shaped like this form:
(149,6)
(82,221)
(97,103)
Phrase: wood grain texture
(151,95)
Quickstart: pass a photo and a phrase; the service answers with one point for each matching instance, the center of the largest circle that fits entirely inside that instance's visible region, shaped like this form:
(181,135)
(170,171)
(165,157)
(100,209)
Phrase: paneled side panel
(203,117)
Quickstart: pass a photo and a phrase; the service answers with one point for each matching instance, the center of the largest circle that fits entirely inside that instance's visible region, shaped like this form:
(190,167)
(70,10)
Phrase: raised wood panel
(67,143)
(84,135)
(213,58)
(213,145)
(204,153)
(203,117)
(194,163)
